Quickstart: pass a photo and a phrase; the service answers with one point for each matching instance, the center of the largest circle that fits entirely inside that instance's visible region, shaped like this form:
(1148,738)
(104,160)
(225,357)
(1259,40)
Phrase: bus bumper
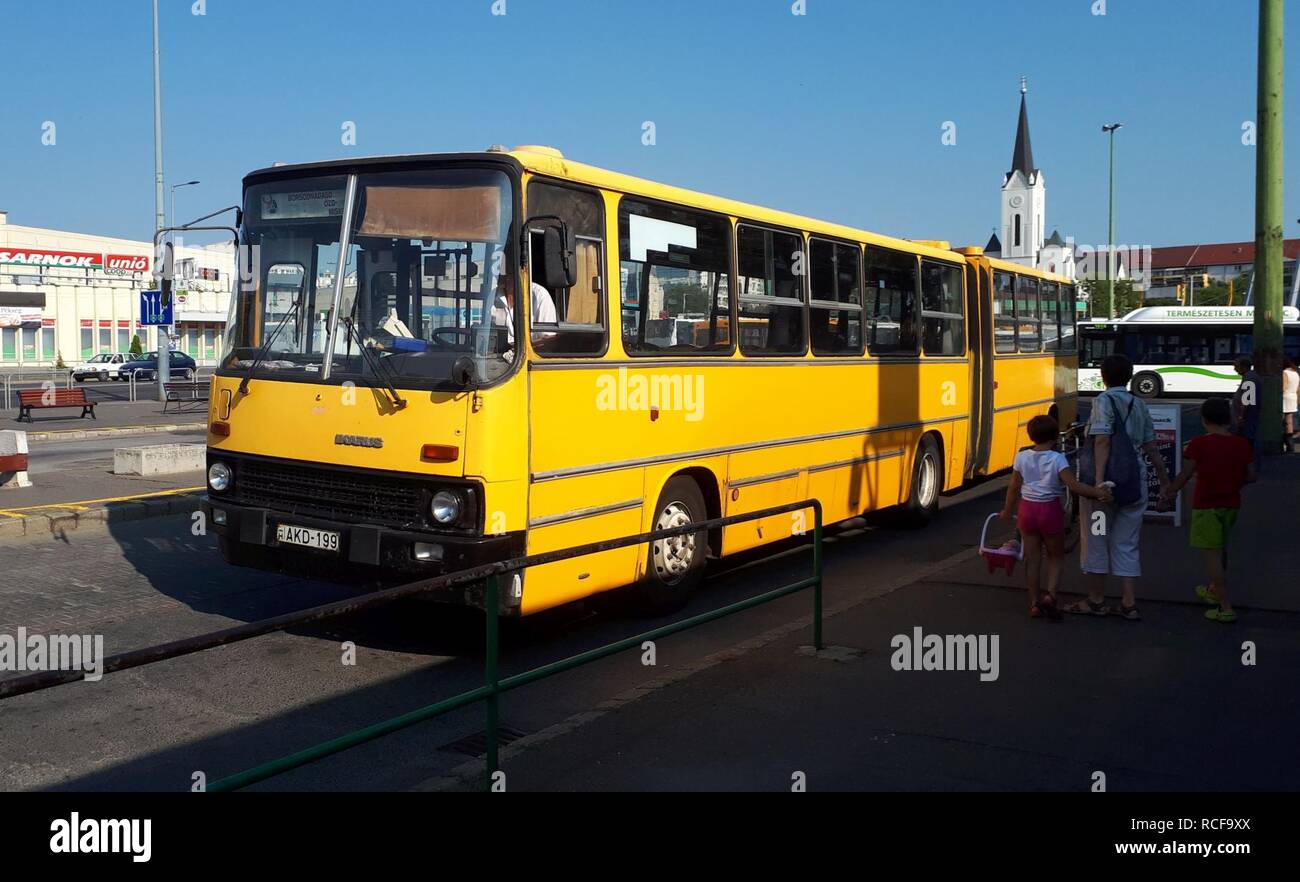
(398,551)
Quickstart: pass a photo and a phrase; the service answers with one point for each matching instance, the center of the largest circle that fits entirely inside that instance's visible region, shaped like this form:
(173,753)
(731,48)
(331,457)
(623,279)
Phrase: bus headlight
(219,476)
(446,507)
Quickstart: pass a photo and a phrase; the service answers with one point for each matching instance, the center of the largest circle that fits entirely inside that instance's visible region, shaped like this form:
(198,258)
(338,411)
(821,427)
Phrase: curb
(82,434)
(61,522)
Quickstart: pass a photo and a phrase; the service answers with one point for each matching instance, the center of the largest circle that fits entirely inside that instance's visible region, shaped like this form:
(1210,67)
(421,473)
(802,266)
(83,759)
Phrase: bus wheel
(675,566)
(1147,385)
(927,470)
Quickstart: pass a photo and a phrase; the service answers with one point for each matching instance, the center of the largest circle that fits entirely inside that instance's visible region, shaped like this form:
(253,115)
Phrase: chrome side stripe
(579,514)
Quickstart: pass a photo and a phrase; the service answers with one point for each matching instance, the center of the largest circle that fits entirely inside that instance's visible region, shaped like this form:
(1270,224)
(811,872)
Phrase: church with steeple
(1023,233)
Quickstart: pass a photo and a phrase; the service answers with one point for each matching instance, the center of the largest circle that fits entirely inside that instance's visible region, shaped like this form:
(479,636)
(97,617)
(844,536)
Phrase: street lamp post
(163,332)
(176,187)
(1110,129)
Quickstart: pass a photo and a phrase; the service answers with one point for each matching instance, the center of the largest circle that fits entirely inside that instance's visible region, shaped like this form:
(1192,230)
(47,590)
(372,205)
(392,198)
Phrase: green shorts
(1212,526)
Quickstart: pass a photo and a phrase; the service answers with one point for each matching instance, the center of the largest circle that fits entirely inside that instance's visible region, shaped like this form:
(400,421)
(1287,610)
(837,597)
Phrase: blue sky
(837,113)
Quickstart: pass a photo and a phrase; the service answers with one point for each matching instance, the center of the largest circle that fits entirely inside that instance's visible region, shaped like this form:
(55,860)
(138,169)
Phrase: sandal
(1049,608)
(1208,594)
(1086,607)
(1035,611)
(1218,615)
(1129,612)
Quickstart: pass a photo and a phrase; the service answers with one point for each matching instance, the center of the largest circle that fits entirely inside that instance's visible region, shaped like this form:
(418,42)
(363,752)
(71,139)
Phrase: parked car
(102,367)
(145,367)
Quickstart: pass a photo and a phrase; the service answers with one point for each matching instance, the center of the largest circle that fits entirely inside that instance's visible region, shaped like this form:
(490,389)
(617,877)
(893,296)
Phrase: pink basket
(1003,557)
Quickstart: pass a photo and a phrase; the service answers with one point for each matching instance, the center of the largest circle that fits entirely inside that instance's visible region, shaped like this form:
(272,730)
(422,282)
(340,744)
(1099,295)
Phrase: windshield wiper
(266,347)
(385,376)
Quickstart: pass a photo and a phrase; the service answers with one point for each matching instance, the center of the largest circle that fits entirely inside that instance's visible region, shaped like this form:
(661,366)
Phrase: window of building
(891,290)
(580,326)
(1004,312)
(674,273)
(8,344)
(30,349)
(769,265)
(105,338)
(836,307)
(1028,315)
(123,339)
(87,343)
(943,317)
(49,351)
(1017,233)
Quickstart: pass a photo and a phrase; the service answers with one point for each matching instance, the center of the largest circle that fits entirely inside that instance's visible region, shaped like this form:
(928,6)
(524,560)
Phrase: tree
(1127,298)
(58,362)
(137,348)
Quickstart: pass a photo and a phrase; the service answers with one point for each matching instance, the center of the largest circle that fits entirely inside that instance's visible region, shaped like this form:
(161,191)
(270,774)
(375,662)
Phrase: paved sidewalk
(112,418)
(92,497)
(1163,704)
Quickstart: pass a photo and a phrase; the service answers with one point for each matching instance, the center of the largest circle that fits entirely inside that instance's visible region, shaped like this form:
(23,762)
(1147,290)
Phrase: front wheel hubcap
(673,556)
(929,480)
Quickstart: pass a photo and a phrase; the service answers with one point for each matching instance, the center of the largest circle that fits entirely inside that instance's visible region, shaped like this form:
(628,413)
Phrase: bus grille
(331,494)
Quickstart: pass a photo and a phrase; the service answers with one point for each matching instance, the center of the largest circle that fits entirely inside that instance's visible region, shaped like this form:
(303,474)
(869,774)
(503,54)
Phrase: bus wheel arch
(927,480)
(675,566)
(1147,384)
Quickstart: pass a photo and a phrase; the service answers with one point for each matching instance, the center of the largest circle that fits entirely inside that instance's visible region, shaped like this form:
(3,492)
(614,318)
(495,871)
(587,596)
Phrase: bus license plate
(324,540)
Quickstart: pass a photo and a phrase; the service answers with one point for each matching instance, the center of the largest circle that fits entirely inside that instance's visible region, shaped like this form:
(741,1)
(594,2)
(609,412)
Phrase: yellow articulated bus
(440,361)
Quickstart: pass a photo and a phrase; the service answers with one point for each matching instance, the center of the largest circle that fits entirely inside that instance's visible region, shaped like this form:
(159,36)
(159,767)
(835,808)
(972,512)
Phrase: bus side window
(941,309)
(580,325)
(771,291)
(836,308)
(891,288)
(1029,315)
(1004,312)
(1069,315)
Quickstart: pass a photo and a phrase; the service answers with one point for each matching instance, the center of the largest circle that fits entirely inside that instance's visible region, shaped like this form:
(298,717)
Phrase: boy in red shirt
(1223,463)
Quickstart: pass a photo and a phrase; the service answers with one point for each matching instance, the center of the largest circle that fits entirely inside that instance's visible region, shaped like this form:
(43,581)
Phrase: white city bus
(1177,349)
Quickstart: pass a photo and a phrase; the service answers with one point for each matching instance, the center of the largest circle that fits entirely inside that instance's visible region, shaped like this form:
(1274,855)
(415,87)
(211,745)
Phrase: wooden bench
(48,399)
(184,392)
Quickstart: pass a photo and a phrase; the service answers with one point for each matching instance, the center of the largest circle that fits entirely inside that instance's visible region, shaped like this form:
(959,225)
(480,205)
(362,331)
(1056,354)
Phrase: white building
(71,296)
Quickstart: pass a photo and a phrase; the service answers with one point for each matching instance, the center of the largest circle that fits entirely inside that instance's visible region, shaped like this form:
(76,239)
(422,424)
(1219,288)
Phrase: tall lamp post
(176,187)
(160,207)
(1110,129)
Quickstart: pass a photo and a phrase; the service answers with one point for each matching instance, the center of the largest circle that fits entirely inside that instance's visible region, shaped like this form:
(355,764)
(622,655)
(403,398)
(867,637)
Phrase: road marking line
(85,504)
(472,771)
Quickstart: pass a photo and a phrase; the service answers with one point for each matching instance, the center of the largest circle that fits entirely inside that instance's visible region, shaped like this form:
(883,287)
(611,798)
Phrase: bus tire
(675,566)
(1147,385)
(927,482)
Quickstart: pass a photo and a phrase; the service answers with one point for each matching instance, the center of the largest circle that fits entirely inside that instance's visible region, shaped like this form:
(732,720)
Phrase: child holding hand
(1038,483)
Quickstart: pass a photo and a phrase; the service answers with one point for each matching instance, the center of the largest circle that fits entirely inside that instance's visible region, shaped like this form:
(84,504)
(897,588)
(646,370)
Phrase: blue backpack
(1122,466)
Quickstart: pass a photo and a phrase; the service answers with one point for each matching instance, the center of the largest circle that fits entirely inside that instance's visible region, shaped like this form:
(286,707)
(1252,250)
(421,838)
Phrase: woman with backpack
(1119,433)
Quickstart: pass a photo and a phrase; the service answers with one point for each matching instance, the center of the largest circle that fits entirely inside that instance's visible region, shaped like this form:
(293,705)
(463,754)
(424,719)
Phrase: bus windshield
(426,284)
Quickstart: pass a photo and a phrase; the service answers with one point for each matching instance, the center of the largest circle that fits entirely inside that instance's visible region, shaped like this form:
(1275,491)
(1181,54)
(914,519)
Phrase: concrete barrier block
(159,459)
(13,447)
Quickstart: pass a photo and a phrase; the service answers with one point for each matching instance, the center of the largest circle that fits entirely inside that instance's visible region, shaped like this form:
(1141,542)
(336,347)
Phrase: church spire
(1022,160)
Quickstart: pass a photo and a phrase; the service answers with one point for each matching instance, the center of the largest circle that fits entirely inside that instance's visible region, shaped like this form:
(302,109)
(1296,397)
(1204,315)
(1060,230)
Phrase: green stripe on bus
(1205,372)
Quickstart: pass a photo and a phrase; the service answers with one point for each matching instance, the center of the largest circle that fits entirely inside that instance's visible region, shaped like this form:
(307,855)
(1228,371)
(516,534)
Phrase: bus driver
(503,311)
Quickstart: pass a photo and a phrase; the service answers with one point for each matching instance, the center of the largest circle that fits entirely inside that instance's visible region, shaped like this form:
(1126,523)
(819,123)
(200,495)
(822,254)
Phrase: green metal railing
(494,686)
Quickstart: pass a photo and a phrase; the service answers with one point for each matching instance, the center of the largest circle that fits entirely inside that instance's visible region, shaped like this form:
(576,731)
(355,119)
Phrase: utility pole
(1268,227)
(164,332)
(1110,245)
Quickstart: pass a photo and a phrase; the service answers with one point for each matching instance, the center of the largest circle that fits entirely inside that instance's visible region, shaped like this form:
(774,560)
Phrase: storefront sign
(114,263)
(19,317)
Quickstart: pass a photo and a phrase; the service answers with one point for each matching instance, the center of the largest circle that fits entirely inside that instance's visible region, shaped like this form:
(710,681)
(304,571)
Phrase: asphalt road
(230,708)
